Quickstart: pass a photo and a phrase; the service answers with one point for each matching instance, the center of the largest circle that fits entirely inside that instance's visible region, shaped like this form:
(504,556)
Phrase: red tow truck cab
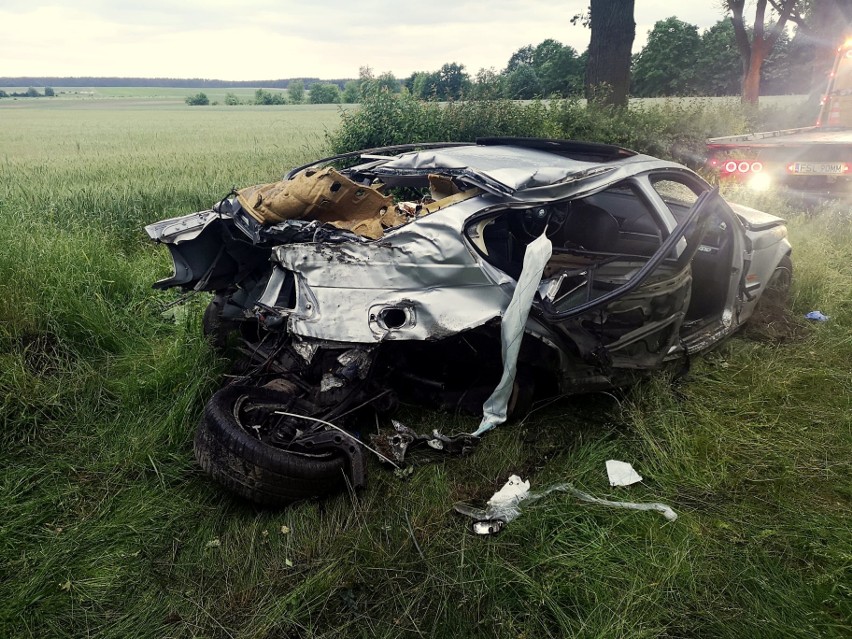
(811,158)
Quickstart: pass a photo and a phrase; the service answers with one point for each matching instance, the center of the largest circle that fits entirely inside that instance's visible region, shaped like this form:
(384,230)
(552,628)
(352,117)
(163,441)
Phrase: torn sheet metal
(512,331)
(621,473)
(306,350)
(506,504)
(422,269)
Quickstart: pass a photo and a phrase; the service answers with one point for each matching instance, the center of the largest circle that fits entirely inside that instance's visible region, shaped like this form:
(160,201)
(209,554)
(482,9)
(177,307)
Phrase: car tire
(771,320)
(254,469)
(784,266)
(778,288)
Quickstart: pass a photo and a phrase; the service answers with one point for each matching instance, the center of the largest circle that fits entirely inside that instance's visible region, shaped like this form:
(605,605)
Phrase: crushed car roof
(512,167)
(523,169)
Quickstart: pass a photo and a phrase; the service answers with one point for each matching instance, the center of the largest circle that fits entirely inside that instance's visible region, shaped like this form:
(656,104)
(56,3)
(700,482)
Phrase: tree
(778,72)
(296,91)
(753,52)
(608,67)
(32,92)
(423,85)
(199,99)
(351,92)
(386,82)
(522,84)
(667,65)
(49,92)
(322,93)
(523,56)
(451,81)
(487,85)
(559,68)
(721,67)
(369,84)
(267,98)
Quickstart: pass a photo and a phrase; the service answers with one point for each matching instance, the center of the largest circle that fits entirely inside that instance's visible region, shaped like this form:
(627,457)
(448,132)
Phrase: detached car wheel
(259,470)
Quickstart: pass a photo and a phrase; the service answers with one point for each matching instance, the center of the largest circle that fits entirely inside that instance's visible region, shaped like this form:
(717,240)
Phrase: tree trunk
(754,53)
(751,82)
(608,67)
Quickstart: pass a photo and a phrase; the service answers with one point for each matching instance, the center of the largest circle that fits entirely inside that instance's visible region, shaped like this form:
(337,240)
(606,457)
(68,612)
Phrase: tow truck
(810,159)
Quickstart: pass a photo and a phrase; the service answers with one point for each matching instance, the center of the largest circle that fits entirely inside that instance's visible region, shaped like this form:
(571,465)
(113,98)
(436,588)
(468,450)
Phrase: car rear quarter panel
(424,268)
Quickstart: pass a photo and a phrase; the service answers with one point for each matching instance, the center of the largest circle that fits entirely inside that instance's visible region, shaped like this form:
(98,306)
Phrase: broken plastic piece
(621,473)
(488,527)
(494,410)
(817,316)
(505,505)
(514,490)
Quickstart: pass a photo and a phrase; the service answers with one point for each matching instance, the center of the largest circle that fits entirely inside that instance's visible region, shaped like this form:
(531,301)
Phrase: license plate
(818,168)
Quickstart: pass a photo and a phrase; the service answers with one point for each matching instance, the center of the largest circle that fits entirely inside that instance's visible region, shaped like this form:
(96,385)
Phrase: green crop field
(109,529)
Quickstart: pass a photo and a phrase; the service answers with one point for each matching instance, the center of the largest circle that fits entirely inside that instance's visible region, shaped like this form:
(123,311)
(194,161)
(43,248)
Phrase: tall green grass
(108,529)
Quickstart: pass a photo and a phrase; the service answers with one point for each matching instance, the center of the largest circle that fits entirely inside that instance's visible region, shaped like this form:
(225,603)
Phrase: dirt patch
(773,321)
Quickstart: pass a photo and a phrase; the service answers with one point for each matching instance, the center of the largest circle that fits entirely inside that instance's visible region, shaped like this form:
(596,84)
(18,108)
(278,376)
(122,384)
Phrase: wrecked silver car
(463,276)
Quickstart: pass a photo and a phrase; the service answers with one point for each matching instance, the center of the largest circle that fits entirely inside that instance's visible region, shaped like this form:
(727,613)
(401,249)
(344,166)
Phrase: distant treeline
(182,83)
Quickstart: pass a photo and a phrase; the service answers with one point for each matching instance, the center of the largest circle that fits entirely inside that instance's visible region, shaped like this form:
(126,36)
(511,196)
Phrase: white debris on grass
(505,505)
(621,473)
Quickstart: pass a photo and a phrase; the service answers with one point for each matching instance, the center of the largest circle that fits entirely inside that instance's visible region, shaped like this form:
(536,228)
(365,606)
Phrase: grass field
(108,528)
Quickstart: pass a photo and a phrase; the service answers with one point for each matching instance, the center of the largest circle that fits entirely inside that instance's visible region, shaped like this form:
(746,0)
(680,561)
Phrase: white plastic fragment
(505,505)
(537,254)
(621,473)
(513,491)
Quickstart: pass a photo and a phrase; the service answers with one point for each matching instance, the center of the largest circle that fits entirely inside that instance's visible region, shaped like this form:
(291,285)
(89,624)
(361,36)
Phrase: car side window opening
(711,262)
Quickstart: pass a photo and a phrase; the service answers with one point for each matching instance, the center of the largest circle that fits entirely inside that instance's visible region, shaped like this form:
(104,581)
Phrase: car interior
(609,235)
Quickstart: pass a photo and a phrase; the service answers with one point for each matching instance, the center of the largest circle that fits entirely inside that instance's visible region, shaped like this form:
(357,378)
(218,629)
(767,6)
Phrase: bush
(232,100)
(675,129)
(266,98)
(199,99)
(49,92)
(296,91)
(386,119)
(324,94)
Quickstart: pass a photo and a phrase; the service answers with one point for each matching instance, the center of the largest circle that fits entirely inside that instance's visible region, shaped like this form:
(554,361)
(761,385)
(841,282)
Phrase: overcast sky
(270,39)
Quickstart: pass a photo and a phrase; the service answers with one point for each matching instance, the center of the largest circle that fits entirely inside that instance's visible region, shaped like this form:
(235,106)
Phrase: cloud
(265,39)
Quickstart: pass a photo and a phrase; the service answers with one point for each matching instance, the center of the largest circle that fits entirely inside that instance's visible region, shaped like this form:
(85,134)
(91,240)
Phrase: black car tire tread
(255,470)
